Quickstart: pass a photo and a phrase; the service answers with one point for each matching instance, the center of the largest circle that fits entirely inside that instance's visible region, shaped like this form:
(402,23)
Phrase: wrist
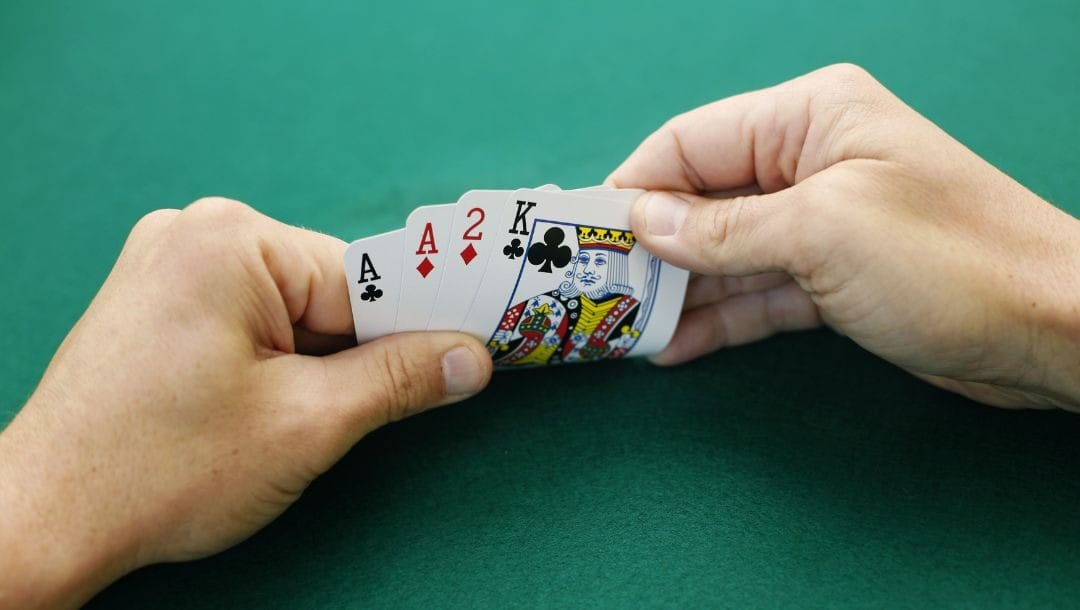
(1058,354)
(1051,310)
(58,551)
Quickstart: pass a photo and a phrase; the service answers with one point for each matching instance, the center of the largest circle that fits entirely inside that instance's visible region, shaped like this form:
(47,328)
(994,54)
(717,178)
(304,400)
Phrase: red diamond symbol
(468,254)
(425,267)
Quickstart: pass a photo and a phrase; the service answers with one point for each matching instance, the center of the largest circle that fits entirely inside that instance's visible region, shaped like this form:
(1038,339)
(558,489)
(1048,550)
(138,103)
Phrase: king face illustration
(589,316)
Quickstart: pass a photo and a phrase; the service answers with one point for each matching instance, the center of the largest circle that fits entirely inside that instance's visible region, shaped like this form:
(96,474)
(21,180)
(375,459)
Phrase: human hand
(181,413)
(827,199)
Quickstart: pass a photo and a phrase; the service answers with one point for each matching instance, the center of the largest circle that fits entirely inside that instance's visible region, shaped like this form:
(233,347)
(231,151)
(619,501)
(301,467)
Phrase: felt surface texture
(799,471)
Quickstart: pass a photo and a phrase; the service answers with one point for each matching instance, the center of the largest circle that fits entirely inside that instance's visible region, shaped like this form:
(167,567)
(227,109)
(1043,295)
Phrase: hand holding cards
(543,276)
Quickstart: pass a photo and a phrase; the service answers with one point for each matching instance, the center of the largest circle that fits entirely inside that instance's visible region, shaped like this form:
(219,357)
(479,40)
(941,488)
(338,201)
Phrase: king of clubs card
(592,312)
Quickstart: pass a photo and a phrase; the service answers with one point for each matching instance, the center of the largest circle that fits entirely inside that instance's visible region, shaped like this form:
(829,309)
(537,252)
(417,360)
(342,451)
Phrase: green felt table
(798,471)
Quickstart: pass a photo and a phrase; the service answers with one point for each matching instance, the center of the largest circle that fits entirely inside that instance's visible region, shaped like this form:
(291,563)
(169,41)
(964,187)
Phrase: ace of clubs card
(373,273)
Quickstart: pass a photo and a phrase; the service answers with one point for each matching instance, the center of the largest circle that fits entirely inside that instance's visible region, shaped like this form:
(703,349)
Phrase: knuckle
(145,233)
(215,228)
(404,394)
(671,125)
(848,100)
(153,221)
(722,221)
(662,135)
(682,124)
(717,225)
(157,217)
(849,73)
(670,130)
(218,211)
(845,86)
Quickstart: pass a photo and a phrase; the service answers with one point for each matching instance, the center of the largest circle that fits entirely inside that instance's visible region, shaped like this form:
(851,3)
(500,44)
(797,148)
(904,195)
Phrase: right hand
(826,199)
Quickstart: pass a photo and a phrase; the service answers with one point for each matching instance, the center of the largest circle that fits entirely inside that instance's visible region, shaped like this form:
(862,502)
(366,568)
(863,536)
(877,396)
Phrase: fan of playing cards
(543,276)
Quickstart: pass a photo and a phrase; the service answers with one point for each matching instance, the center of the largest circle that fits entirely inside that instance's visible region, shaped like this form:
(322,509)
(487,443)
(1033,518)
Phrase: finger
(306,267)
(309,270)
(705,290)
(341,397)
(740,319)
(735,237)
(773,137)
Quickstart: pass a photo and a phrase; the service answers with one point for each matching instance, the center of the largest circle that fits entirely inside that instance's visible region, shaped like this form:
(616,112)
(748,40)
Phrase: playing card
(424,254)
(373,271)
(470,242)
(469,247)
(568,283)
(477,210)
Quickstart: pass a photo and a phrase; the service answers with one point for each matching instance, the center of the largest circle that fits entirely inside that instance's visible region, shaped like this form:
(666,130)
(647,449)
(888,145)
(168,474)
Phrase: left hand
(184,411)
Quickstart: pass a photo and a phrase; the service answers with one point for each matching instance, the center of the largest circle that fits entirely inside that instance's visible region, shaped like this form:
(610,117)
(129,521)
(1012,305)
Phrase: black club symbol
(551,252)
(513,249)
(371,294)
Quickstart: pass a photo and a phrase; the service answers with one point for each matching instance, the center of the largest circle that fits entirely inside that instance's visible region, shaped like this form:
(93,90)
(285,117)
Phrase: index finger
(309,270)
(772,138)
(297,274)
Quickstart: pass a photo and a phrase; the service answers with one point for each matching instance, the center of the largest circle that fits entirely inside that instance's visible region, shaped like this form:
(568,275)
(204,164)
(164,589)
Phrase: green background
(798,471)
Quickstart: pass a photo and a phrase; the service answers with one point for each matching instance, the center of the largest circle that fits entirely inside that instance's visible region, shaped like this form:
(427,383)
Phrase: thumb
(738,236)
(360,389)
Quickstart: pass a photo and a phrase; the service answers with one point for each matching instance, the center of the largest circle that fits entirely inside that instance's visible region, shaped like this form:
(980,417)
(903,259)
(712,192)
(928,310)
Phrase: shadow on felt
(802,458)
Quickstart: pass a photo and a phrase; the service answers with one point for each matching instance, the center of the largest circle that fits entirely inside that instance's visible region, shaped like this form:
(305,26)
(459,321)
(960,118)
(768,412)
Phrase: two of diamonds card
(542,276)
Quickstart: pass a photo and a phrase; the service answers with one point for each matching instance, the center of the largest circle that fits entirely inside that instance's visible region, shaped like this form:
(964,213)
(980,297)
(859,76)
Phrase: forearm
(54,551)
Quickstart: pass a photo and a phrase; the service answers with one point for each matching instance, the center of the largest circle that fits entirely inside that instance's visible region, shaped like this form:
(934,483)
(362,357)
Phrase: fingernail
(462,374)
(664,213)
